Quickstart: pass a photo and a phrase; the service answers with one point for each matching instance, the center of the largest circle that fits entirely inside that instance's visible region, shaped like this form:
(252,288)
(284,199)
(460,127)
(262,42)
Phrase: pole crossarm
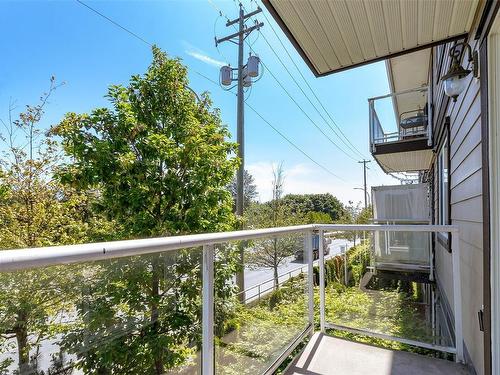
(248,15)
(245,31)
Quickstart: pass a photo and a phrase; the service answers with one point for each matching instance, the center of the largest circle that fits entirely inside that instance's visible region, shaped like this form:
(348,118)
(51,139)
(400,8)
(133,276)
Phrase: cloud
(206,59)
(201,55)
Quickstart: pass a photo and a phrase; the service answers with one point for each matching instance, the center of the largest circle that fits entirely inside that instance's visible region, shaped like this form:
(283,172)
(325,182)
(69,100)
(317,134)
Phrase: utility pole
(245,73)
(364,161)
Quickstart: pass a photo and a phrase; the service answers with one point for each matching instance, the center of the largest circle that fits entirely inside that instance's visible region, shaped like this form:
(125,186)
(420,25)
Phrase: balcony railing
(96,270)
(413,117)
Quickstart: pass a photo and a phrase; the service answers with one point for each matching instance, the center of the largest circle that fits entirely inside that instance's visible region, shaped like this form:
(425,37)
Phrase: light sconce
(455,80)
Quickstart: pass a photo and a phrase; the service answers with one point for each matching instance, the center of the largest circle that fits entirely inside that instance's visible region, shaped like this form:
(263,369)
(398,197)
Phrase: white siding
(466,212)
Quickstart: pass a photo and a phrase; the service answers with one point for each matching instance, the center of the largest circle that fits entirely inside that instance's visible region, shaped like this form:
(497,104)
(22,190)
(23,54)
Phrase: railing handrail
(392,94)
(19,259)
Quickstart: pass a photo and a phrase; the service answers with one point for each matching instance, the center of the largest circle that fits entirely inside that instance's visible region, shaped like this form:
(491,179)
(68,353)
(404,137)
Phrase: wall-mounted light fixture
(455,80)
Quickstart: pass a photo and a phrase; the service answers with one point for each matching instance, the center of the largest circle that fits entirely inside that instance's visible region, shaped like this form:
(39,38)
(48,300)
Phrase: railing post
(310,280)
(346,281)
(259,292)
(207,350)
(431,259)
(457,296)
(321,282)
(371,124)
(430,120)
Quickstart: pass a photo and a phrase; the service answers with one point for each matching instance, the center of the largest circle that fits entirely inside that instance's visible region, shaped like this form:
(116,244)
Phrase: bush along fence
(358,260)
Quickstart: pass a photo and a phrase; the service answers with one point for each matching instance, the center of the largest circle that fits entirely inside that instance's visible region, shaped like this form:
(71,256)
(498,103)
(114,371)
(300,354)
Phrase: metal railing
(379,136)
(23,259)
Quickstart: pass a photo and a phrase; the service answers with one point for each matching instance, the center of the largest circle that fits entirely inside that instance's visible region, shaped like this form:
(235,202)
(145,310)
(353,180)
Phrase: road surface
(263,278)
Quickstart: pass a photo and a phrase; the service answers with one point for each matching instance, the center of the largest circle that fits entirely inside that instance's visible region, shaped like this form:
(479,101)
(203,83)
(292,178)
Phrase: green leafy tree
(355,214)
(250,192)
(325,203)
(36,210)
(313,217)
(161,163)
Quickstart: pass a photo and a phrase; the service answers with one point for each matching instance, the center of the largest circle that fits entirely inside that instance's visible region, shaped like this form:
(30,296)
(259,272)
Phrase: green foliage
(313,217)
(37,210)
(324,203)
(158,157)
(161,164)
(263,330)
(358,259)
(250,192)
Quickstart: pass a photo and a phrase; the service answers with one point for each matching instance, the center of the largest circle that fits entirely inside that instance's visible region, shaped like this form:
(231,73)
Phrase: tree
(161,163)
(274,252)
(355,214)
(313,217)
(36,210)
(250,192)
(325,203)
(365,215)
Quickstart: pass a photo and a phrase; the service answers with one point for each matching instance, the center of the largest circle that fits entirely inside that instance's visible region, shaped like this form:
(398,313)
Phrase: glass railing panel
(388,292)
(256,325)
(400,117)
(133,315)
(405,248)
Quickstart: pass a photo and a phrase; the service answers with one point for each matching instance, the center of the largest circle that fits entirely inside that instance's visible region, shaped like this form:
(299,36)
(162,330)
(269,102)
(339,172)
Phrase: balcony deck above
(329,355)
(403,143)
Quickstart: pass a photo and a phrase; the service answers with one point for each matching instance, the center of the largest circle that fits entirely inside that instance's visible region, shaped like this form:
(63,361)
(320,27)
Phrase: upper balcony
(401,130)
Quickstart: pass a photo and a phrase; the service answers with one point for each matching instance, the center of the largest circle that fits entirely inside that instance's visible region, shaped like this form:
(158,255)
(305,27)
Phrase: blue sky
(88,53)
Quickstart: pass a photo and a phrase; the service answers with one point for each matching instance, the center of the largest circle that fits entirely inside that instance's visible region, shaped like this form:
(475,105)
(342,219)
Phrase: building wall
(465,199)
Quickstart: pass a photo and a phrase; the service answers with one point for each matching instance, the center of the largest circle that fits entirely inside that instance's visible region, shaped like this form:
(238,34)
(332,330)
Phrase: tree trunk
(22,341)
(155,292)
(276,281)
(275,264)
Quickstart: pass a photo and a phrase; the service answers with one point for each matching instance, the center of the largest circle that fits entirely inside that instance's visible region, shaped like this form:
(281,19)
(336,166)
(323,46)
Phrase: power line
(305,113)
(304,93)
(115,23)
(216,83)
(294,145)
(349,146)
(279,133)
(296,103)
(352,147)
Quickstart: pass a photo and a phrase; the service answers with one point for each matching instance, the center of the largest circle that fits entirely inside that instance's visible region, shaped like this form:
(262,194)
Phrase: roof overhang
(334,35)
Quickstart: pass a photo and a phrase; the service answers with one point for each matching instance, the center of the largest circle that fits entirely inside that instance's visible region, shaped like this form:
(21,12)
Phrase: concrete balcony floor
(325,355)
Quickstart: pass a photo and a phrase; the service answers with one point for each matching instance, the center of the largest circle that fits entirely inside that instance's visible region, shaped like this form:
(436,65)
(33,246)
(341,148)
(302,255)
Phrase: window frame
(443,177)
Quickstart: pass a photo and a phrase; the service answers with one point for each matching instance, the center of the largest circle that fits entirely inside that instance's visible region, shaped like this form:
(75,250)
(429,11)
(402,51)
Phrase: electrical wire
(216,83)
(115,23)
(307,97)
(294,145)
(347,142)
(299,86)
(295,101)
(305,113)
(280,133)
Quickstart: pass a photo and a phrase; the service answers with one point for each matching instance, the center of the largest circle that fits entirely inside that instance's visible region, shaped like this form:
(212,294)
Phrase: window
(443,187)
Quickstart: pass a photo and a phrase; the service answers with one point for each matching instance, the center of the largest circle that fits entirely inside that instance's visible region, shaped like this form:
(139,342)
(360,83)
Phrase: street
(260,281)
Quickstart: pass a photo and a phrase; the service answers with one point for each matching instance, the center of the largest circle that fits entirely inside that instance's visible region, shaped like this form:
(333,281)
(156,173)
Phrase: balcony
(401,130)
(170,305)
